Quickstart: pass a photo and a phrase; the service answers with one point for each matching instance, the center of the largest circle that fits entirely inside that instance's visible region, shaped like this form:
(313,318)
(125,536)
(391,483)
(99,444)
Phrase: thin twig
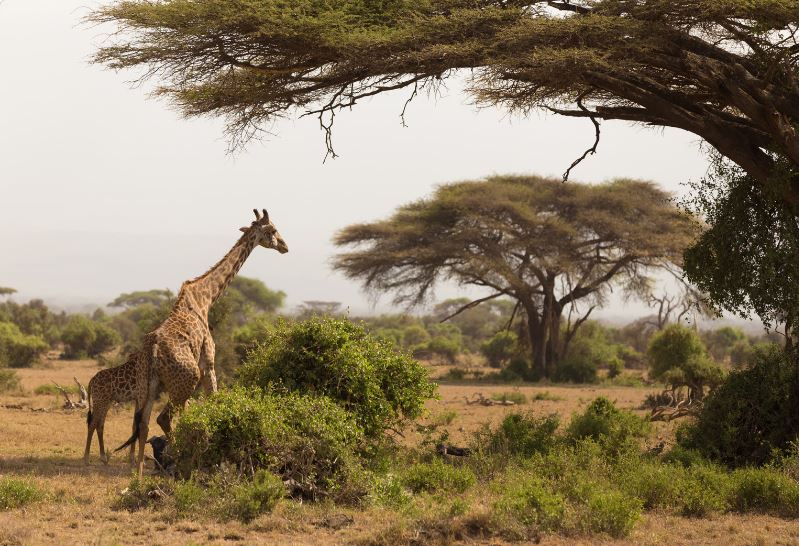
(592,149)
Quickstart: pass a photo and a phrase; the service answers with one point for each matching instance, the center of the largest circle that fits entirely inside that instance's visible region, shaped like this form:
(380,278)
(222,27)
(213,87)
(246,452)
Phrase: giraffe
(179,354)
(111,385)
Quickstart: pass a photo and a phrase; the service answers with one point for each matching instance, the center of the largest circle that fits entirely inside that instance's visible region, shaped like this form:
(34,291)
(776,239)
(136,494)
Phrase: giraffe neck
(209,287)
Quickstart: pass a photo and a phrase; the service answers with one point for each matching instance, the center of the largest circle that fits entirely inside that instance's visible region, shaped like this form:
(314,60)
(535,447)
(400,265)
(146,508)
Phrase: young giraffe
(111,385)
(180,352)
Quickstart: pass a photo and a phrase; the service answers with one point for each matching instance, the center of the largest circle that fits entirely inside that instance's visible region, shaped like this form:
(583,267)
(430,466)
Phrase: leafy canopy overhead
(724,70)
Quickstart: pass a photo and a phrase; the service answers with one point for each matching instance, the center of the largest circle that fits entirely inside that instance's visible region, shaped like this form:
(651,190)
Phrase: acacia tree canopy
(724,70)
(554,248)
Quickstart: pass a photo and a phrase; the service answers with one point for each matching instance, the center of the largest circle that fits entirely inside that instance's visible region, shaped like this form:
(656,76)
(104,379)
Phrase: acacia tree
(724,70)
(555,249)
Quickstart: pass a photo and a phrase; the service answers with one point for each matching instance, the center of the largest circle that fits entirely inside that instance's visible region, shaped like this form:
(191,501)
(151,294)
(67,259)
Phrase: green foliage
(378,385)
(34,319)
(532,504)
(546,395)
(437,476)
(84,337)
(519,434)
(614,429)
(52,389)
(155,298)
(516,397)
(9,381)
(477,324)
(142,492)
(19,350)
(720,342)
(611,512)
(19,492)
(247,500)
(307,439)
(499,349)
(677,356)
(752,415)
(750,229)
(591,348)
(765,489)
(615,368)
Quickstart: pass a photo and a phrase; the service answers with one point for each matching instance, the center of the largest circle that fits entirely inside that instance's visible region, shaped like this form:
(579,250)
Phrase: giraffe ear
(243,229)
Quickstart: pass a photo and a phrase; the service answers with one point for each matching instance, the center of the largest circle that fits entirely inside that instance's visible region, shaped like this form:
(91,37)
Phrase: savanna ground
(47,446)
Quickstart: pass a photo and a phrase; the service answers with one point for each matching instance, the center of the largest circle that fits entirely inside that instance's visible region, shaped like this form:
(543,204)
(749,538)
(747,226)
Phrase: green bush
(655,484)
(532,504)
(142,492)
(764,489)
(612,512)
(18,492)
(614,429)
(249,499)
(306,439)
(9,381)
(188,497)
(705,490)
(84,337)
(516,397)
(18,350)
(500,349)
(520,434)
(615,368)
(334,357)
(752,415)
(437,476)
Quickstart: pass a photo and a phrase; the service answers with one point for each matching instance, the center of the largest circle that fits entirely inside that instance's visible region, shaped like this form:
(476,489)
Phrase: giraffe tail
(89,404)
(136,425)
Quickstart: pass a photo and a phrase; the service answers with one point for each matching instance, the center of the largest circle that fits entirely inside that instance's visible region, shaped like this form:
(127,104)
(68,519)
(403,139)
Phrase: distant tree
(720,341)
(17,349)
(555,249)
(155,297)
(678,357)
(477,323)
(6,291)
(319,308)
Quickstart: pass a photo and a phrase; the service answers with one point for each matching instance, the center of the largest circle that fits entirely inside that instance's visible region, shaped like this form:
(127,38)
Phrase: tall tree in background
(554,248)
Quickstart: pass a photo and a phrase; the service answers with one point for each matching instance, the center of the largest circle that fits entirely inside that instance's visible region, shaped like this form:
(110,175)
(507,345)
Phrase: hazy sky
(104,190)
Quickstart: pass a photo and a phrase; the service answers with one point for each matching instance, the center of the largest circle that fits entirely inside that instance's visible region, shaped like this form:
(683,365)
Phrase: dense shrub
(83,337)
(247,500)
(580,364)
(437,476)
(18,350)
(611,512)
(764,489)
(18,492)
(378,385)
(614,429)
(532,504)
(500,349)
(306,439)
(520,434)
(752,415)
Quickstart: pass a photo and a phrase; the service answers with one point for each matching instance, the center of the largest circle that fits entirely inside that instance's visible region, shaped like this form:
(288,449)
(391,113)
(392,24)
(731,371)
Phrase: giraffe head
(265,232)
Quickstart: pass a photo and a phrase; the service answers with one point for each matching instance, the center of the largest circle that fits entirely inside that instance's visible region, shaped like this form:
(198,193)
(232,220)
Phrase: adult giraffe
(179,354)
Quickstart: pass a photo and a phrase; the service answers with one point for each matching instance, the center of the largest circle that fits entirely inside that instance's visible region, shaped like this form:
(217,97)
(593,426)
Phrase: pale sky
(105,190)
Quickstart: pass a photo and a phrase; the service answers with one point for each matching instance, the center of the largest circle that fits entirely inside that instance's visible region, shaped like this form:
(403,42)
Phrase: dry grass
(48,445)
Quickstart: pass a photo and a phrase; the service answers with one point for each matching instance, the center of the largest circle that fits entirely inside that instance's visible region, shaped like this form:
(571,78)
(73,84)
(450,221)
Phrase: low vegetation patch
(514,396)
(546,395)
(48,388)
(19,492)
(9,381)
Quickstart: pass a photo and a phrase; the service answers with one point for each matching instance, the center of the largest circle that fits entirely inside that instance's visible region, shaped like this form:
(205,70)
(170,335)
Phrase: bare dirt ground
(48,445)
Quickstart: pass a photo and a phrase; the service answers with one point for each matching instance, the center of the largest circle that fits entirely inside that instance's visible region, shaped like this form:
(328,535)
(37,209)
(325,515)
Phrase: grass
(546,395)
(514,396)
(9,381)
(49,388)
(19,492)
(443,418)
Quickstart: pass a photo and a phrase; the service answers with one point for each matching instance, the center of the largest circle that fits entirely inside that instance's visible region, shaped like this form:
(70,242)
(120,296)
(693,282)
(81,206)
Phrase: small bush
(389,491)
(705,490)
(764,489)
(444,418)
(334,357)
(612,512)
(520,434)
(615,367)
(455,374)
(18,350)
(247,500)
(612,428)
(84,337)
(18,492)
(188,496)
(309,440)
(516,397)
(657,485)
(437,476)
(752,416)
(9,381)
(532,504)
(500,349)
(546,395)
(142,492)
